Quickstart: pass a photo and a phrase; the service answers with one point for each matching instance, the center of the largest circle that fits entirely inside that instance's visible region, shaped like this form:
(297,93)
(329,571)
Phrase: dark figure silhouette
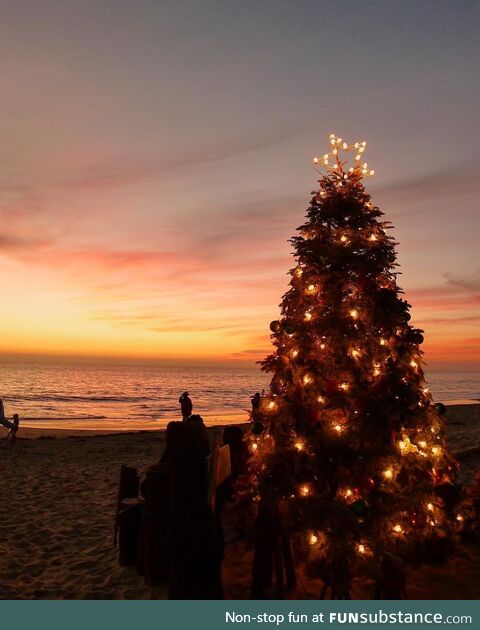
(12,426)
(185,405)
(256,399)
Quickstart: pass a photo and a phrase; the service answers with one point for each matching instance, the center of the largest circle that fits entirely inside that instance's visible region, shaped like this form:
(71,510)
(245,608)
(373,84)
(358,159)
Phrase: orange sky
(149,183)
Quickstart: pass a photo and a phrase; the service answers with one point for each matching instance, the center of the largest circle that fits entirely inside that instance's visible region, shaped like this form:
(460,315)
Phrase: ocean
(137,396)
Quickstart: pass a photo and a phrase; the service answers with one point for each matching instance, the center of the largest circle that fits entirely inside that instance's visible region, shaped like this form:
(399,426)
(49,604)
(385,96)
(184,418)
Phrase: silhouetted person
(185,405)
(12,426)
(256,399)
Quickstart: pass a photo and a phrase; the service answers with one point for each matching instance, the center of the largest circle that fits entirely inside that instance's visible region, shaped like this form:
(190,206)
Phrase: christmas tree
(348,435)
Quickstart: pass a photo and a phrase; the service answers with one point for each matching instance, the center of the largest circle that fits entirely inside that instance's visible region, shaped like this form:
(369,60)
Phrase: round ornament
(360,508)
(275,326)
(257,428)
(417,338)
(289,328)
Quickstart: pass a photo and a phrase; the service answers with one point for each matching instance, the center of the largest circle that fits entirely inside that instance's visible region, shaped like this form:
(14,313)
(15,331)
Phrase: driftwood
(273,555)
(336,579)
(391,583)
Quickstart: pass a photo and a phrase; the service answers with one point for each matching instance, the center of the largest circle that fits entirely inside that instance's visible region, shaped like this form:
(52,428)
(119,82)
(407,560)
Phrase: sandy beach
(57,502)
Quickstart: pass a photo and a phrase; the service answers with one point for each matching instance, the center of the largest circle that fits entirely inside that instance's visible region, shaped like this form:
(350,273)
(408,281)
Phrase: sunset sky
(156,156)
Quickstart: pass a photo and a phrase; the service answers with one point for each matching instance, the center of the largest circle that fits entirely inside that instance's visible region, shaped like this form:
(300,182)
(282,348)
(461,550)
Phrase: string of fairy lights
(333,163)
(426,445)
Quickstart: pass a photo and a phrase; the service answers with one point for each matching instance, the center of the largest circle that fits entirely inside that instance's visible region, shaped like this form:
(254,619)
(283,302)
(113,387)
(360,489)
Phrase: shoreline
(36,433)
(44,429)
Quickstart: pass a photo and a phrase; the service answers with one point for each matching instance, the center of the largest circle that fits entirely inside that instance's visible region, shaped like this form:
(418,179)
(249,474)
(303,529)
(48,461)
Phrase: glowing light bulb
(353,313)
(308,316)
(358,157)
(311,288)
(322,346)
(294,354)
(312,539)
(338,428)
(414,364)
(307,379)
(460,518)
(422,444)
(372,172)
(398,529)
(376,369)
(430,507)
(436,451)
(425,390)
(321,399)
(361,548)
(348,492)
(335,151)
(271,405)
(372,237)
(388,474)
(345,387)
(299,445)
(254,446)
(305,490)
(356,145)
(345,145)
(406,446)
(315,160)
(364,144)
(383,342)
(355,353)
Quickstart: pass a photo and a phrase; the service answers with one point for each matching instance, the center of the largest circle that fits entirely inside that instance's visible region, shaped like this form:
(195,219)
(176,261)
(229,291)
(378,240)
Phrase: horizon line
(433,366)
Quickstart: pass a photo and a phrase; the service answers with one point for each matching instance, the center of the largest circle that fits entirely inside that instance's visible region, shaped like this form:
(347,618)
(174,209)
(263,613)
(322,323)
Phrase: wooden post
(195,539)
(153,556)
(127,488)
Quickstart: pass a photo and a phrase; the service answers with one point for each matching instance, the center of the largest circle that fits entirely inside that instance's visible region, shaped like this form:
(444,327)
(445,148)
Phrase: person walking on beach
(186,406)
(12,426)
